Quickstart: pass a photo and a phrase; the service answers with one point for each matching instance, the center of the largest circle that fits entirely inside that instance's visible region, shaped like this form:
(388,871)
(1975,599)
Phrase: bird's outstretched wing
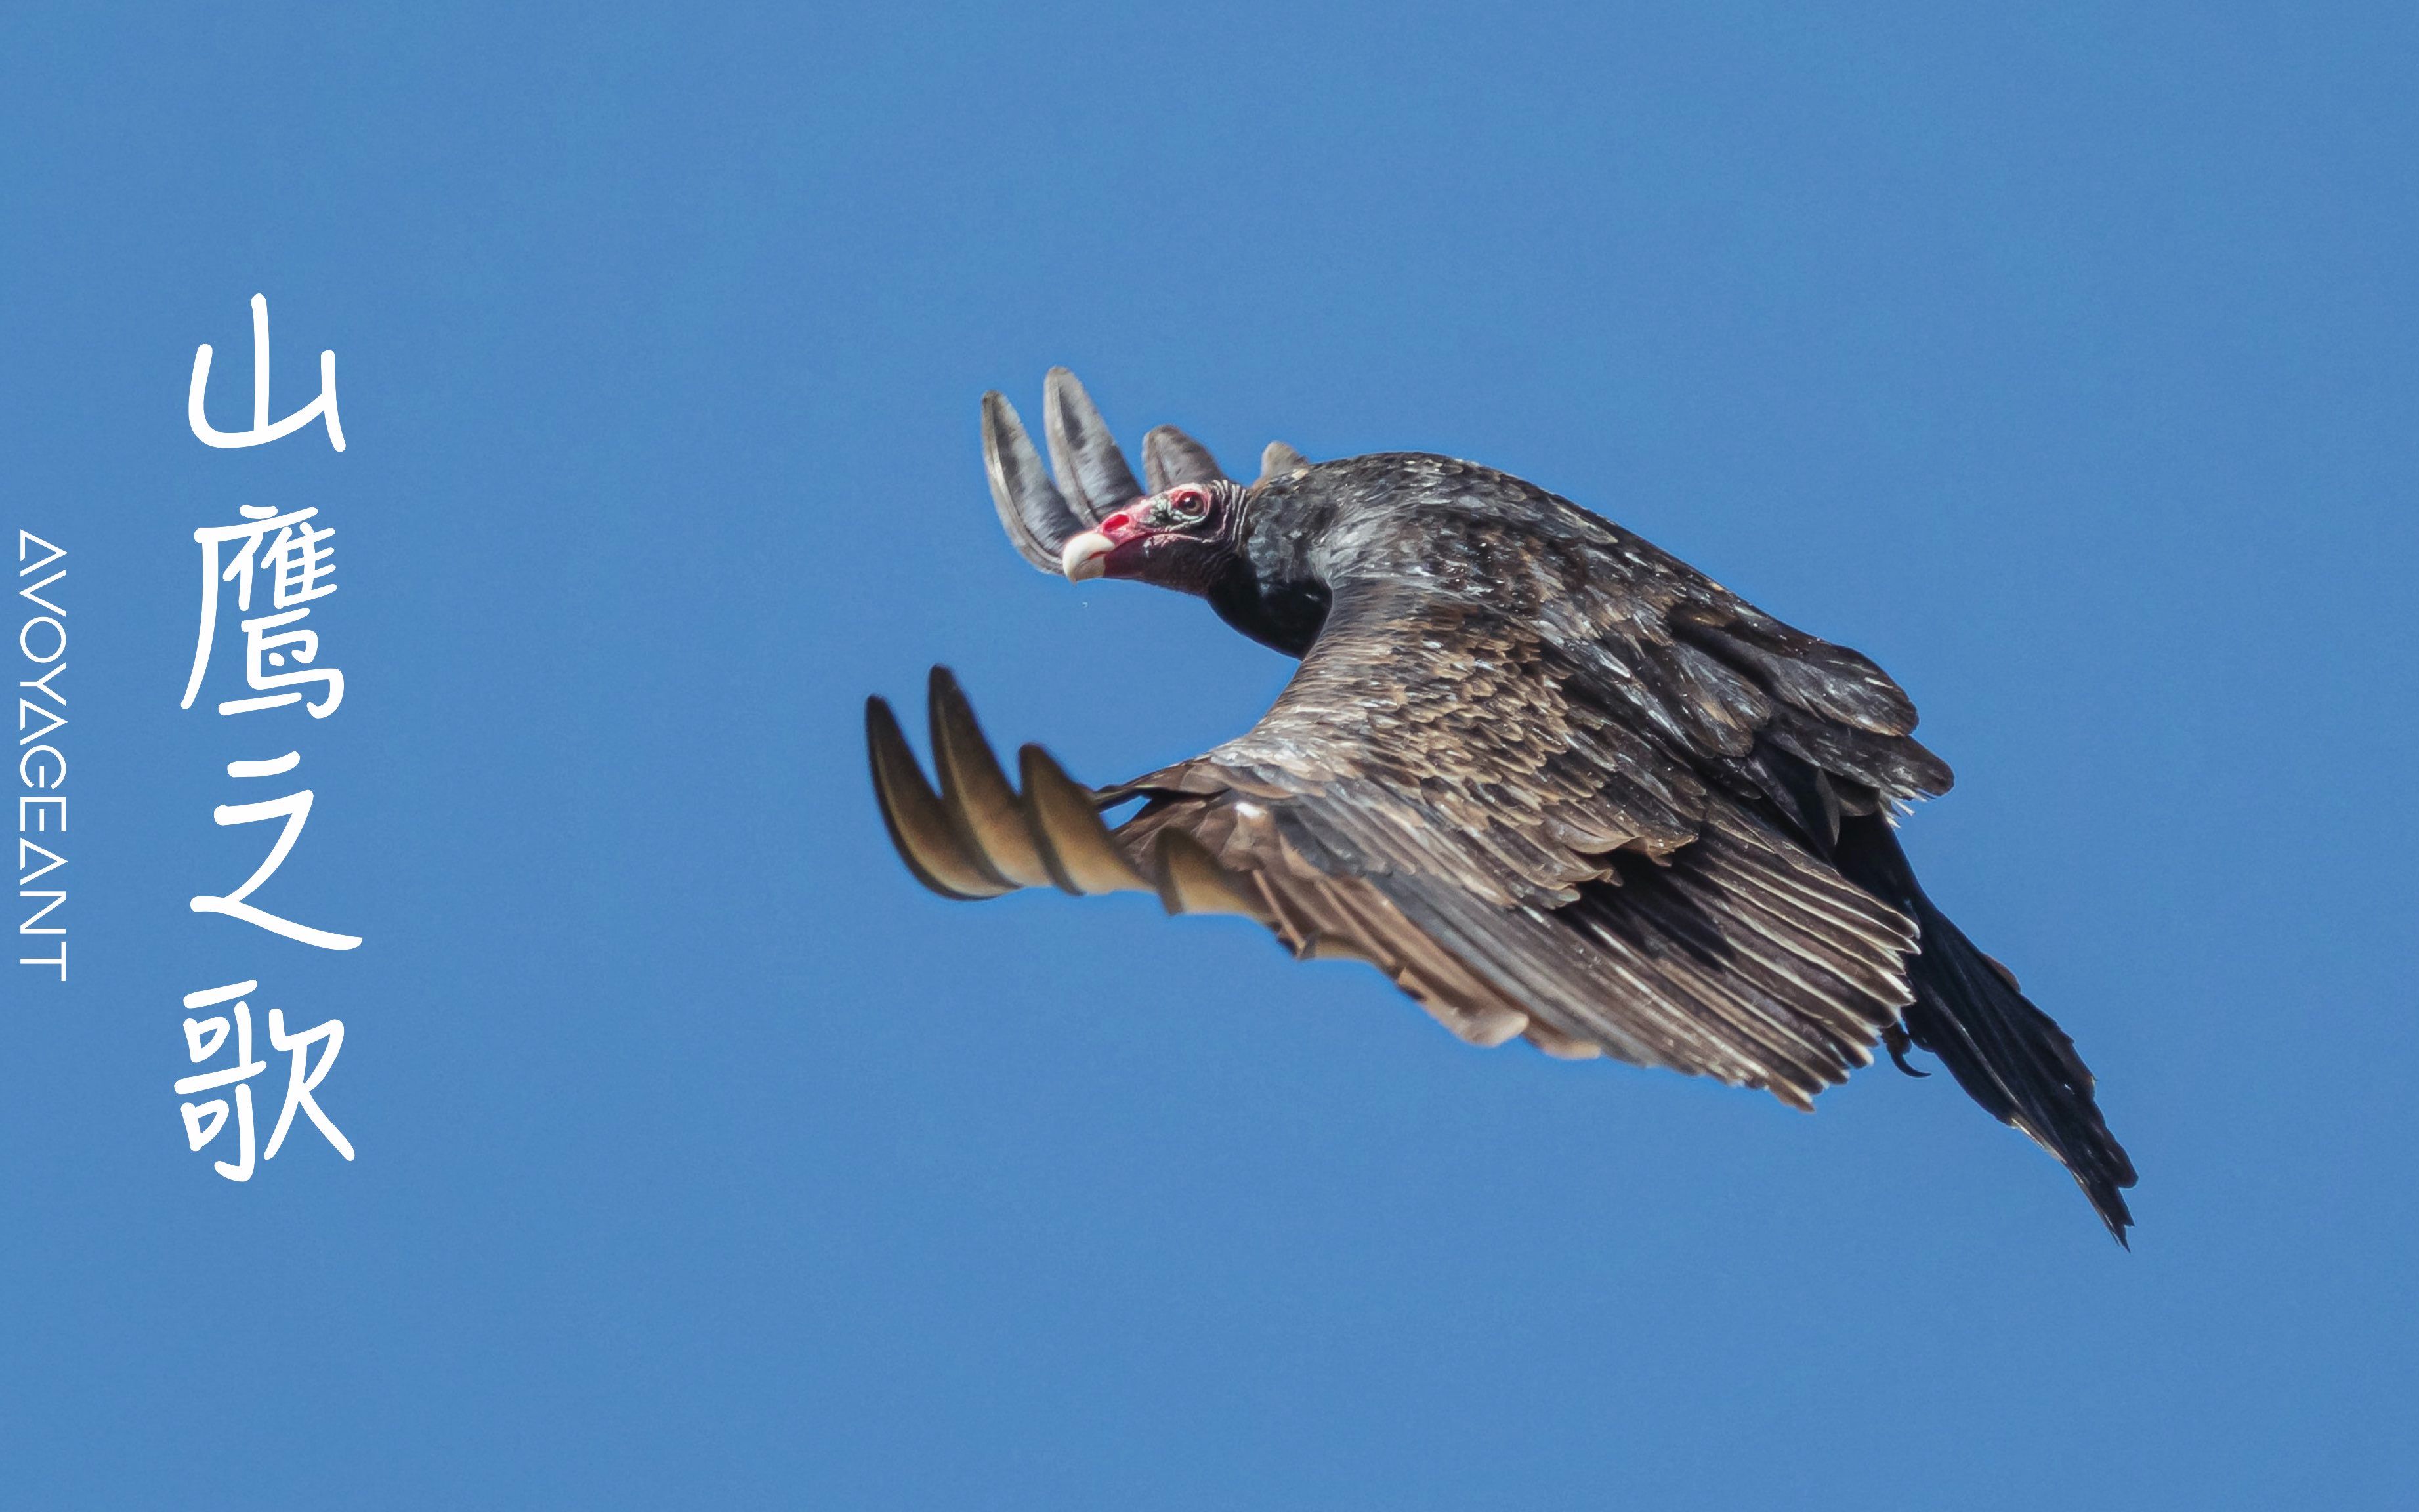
(1512,855)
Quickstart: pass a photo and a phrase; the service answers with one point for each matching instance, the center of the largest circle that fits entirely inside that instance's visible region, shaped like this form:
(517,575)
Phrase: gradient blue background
(2063,362)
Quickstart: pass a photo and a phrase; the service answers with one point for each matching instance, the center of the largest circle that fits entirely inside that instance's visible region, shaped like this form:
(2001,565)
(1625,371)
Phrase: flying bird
(1555,783)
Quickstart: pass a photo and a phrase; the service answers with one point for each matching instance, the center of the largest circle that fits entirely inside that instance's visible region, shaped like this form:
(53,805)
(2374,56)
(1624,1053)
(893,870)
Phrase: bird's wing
(1569,839)
(1439,792)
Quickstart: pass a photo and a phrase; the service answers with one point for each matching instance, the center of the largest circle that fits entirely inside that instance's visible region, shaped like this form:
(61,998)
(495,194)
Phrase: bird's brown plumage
(1554,782)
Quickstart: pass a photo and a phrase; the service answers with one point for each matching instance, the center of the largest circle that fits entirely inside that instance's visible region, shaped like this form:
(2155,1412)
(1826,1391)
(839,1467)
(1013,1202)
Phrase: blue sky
(2062,361)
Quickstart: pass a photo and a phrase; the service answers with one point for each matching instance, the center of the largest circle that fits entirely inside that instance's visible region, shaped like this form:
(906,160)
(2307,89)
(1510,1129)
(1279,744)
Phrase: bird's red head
(1179,539)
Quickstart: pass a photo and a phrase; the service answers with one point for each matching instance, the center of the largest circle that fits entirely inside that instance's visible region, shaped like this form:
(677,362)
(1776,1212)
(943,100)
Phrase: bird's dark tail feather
(2009,1055)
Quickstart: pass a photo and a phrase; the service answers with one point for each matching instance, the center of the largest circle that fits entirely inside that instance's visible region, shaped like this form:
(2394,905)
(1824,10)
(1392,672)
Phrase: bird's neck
(1283,617)
(1270,590)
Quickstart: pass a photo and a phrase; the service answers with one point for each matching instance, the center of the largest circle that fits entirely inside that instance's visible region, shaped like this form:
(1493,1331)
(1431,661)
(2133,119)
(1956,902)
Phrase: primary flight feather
(1555,783)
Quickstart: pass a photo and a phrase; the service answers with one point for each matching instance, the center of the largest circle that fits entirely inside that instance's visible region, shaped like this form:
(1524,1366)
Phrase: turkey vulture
(1555,783)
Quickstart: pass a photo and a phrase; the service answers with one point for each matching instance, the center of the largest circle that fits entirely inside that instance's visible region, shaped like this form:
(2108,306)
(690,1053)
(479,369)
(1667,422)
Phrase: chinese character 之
(295,808)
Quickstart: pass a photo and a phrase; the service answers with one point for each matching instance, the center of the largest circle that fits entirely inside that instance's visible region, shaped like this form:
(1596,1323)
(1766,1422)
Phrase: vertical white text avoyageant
(41,765)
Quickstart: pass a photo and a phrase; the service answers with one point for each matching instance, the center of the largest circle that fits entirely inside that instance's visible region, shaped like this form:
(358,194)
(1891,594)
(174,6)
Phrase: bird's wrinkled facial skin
(1177,539)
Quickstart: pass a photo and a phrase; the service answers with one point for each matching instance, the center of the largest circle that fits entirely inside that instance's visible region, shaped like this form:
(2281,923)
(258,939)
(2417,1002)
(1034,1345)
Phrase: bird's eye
(1186,506)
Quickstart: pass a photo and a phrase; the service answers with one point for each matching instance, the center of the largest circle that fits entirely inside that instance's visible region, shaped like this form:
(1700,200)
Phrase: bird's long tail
(2009,1055)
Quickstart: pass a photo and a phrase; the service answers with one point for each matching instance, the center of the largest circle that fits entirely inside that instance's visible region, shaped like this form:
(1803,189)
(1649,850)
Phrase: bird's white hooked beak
(1086,555)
